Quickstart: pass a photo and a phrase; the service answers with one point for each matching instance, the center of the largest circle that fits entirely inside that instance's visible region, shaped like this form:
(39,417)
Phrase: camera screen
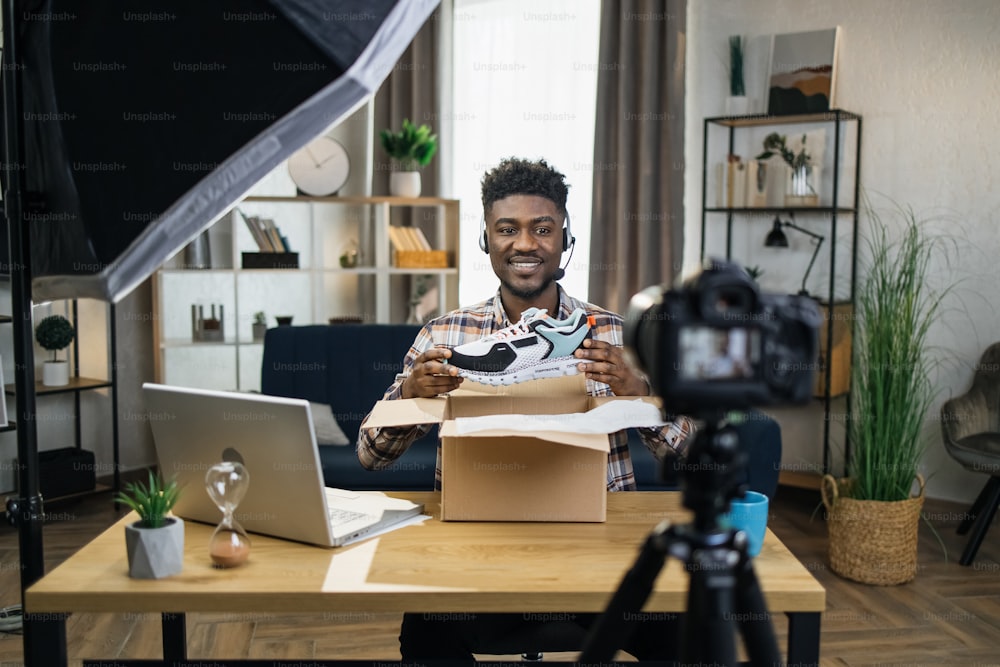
(718,354)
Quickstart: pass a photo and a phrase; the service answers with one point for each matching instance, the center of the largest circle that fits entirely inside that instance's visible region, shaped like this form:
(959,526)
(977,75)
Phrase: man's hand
(430,376)
(607,364)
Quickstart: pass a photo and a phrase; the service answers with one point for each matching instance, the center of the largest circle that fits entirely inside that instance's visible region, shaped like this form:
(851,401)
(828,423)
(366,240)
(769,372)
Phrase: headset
(568,240)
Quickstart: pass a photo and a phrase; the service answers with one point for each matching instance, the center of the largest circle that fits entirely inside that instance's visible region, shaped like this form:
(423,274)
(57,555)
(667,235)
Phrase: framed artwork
(803,72)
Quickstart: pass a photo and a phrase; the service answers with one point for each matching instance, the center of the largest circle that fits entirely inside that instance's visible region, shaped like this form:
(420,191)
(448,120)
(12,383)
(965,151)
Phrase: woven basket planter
(872,541)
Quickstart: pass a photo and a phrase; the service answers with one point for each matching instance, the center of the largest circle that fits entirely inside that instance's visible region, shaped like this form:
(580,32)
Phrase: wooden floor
(950,615)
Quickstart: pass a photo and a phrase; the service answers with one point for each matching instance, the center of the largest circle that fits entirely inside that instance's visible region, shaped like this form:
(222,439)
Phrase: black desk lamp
(776,239)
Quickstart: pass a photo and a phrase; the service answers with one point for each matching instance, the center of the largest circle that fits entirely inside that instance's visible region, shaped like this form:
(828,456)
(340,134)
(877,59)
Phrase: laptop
(273,437)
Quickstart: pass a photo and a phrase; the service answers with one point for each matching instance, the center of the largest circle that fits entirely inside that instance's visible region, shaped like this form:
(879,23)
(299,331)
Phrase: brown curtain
(410,91)
(638,207)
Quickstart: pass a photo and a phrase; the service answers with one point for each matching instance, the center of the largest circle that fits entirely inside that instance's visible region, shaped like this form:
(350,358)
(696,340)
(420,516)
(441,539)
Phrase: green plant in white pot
(410,148)
(55,333)
(873,513)
(154,543)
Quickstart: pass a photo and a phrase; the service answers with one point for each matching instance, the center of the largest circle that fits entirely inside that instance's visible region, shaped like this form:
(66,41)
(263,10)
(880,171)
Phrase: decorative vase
(55,373)
(737,105)
(802,186)
(872,541)
(259,330)
(198,253)
(404,184)
(154,553)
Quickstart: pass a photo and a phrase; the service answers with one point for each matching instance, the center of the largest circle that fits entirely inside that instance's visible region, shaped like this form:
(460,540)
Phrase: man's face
(524,237)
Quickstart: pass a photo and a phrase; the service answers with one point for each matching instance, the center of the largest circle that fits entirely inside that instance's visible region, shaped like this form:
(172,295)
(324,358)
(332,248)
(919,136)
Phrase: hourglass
(227,483)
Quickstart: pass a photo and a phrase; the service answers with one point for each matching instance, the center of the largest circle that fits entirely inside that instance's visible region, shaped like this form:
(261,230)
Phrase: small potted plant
(155,543)
(55,333)
(411,148)
(259,326)
(800,190)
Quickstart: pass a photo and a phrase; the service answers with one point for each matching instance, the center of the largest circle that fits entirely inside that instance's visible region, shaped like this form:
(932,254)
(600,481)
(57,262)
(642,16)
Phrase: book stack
(275,252)
(411,250)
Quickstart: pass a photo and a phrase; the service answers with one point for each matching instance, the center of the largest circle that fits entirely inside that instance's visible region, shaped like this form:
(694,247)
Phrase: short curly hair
(517,176)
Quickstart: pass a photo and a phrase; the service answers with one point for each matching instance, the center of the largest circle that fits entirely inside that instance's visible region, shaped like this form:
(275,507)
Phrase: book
(253,225)
(273,235)
(422,239)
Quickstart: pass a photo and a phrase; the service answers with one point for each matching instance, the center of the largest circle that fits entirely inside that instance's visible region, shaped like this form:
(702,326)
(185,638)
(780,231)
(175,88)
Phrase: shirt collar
(500,320)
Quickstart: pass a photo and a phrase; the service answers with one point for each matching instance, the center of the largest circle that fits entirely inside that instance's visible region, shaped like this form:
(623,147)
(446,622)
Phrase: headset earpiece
(483,243)
(568,238)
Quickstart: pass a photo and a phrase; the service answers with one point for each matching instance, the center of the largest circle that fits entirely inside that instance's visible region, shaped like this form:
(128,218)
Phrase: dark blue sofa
(349,367)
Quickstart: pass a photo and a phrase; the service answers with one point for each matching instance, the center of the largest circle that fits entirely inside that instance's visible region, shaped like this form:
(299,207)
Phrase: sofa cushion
(328,432)
(348,367)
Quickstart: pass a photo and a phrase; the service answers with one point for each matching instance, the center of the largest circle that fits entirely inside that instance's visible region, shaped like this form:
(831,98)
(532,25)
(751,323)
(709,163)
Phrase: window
(524,85)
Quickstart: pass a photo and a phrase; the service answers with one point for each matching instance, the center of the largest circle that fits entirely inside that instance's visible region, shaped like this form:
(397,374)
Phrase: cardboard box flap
(595,441)
(407,412)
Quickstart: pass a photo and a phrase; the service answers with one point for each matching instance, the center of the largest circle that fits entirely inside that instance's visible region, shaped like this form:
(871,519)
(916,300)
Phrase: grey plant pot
(154,553)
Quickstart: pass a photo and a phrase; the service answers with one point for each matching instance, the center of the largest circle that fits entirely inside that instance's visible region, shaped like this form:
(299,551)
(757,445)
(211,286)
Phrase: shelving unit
(78,384)
(319,291)
(836,215)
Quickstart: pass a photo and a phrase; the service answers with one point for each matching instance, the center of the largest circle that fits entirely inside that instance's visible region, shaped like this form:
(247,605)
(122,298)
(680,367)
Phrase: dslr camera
(718,343)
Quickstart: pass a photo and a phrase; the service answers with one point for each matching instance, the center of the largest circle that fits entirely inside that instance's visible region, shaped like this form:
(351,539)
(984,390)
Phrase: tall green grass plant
(891,388)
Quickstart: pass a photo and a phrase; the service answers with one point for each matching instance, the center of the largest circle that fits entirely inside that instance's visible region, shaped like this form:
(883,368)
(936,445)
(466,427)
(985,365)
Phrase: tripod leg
(707,634)
(755,621)
(606,635)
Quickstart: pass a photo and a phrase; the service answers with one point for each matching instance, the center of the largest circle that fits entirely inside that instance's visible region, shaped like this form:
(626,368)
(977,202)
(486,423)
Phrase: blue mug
(748,514)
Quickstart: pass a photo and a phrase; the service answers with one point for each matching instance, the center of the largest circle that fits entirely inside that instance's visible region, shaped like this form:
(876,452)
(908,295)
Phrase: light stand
(777,239)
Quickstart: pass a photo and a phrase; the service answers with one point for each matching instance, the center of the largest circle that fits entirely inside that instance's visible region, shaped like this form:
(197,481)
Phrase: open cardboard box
(505,474)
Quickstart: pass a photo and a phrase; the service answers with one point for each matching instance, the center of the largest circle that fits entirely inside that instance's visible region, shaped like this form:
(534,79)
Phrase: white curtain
(524,85)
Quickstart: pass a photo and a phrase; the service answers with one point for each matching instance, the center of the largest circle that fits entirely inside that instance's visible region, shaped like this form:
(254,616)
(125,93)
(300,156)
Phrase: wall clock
(320,168)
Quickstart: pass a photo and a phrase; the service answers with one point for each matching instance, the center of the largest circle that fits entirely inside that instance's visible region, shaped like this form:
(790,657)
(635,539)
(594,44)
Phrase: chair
(970,424)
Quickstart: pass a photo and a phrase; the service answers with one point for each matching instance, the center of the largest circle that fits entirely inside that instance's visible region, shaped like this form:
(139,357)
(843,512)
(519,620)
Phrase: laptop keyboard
(340,516)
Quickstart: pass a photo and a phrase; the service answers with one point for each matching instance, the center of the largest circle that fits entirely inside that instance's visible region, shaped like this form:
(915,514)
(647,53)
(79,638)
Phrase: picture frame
(803,72)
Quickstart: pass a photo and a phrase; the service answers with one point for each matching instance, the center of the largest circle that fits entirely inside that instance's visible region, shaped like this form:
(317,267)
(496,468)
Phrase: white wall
(923,74)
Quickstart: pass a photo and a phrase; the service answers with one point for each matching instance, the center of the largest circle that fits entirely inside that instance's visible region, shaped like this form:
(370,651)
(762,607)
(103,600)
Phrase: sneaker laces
(519,327)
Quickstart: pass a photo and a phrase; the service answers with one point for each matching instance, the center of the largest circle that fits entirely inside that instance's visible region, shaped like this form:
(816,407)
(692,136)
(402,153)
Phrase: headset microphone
(560,273)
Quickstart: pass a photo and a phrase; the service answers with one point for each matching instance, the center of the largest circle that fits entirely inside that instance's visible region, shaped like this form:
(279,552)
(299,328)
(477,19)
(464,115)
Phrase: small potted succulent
(55,333)
(259,326)
(411,148)
(155,543)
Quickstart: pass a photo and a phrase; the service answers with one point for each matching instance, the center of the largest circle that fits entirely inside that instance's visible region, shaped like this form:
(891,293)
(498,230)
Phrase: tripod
(723,587)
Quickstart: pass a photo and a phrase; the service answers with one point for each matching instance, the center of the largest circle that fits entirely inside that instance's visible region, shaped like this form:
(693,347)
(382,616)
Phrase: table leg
(45,639)
(174,637)
(803,638)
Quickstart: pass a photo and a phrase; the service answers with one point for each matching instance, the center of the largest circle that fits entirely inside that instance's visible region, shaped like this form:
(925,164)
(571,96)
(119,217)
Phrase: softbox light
(145,121)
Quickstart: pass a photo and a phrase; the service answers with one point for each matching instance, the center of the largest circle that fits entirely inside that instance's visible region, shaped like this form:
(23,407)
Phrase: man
(525,233)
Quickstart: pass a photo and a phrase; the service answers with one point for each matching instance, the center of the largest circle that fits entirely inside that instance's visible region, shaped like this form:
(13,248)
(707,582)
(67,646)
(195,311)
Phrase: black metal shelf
(749,210)
(837,118)
(77,384)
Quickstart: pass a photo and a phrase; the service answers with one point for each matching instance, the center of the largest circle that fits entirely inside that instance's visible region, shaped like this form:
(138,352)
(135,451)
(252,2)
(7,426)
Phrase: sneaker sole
(554,368)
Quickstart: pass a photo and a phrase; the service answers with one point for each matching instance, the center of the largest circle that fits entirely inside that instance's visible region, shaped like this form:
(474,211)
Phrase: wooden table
(432,567)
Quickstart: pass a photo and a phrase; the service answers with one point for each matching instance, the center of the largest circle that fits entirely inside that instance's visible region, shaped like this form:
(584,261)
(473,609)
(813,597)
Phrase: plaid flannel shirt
(377,448)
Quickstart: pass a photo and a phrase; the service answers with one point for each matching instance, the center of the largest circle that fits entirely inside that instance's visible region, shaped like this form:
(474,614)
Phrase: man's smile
(525,265)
